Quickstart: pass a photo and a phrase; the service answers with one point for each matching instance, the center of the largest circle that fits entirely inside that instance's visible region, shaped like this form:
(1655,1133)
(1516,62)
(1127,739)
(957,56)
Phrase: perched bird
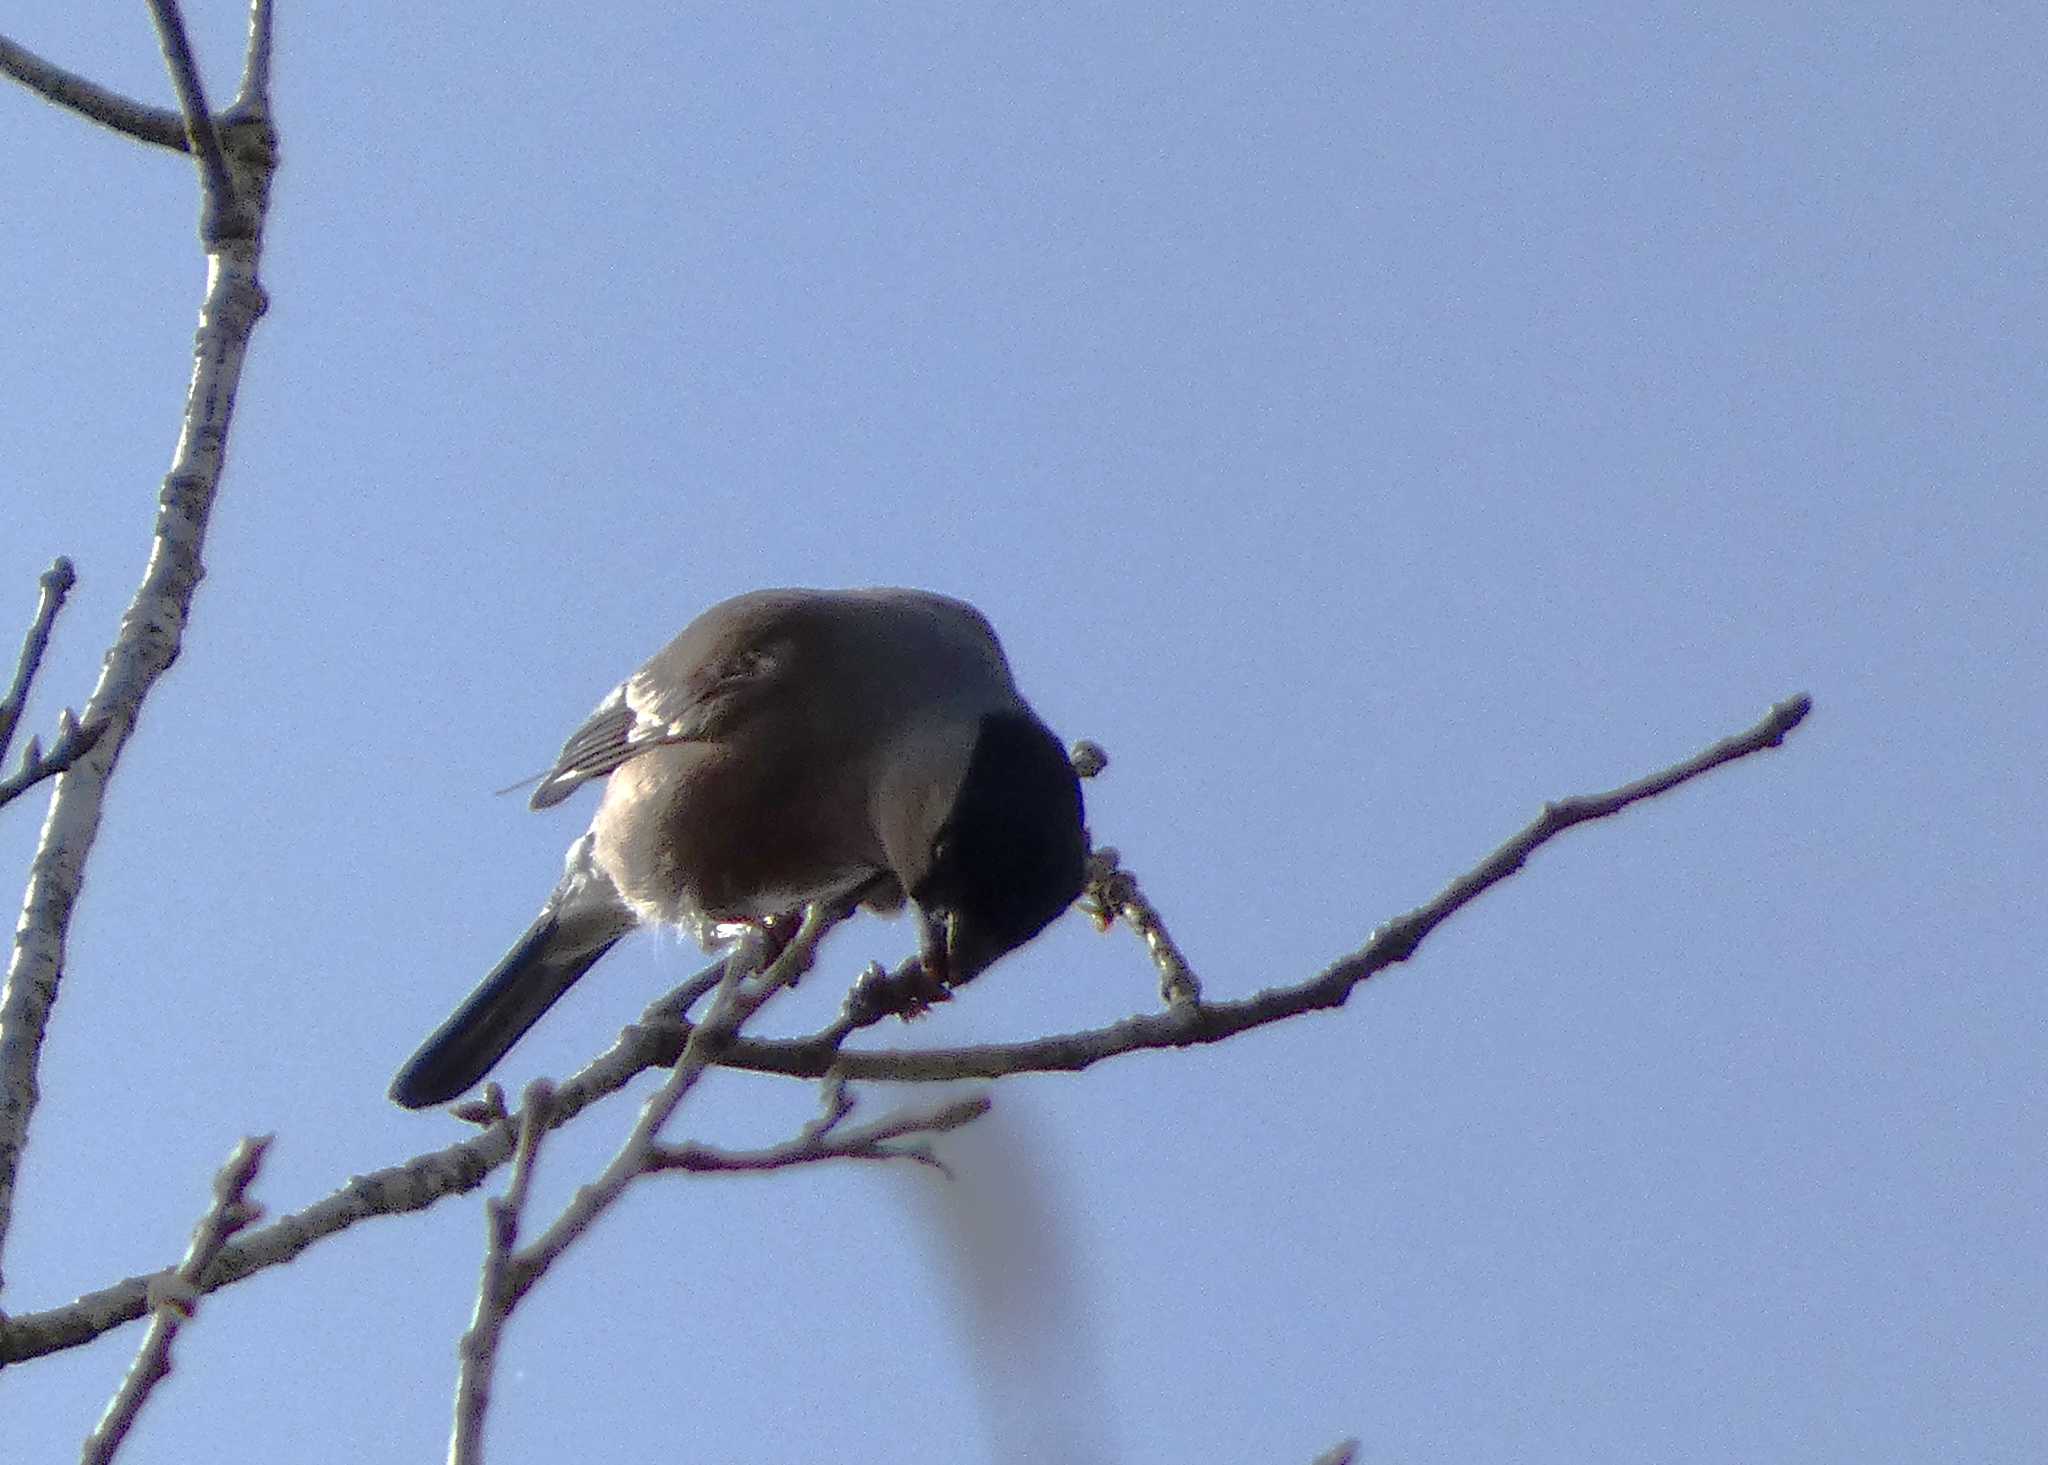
(793,746)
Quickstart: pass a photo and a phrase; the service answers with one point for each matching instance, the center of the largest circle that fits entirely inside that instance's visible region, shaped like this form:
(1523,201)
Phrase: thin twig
(1112,894)
(479,1348)
(177,1295)
(659,1037)
(217,184)
(158,125)
(56,583)
(254,96)
(594,1199)
(74,740)
(864,1142)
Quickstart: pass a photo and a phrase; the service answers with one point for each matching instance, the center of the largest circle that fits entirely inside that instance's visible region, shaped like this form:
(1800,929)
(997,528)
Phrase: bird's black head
(1010,855)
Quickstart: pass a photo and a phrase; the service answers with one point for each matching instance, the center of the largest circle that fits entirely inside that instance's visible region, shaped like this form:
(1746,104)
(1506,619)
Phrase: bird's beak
(954,949)
(934,943)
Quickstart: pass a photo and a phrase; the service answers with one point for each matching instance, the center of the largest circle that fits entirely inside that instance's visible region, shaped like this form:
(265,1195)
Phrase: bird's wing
(663,702)
(788,648)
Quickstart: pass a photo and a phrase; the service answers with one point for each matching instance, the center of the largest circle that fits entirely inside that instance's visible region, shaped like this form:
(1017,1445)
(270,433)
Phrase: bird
(791,746)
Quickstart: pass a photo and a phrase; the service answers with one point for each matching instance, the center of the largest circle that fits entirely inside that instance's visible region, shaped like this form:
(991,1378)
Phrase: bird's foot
(776,932)
(908,992)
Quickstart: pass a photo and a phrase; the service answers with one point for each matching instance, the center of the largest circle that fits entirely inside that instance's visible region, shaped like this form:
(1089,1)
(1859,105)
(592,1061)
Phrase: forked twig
(176,1296)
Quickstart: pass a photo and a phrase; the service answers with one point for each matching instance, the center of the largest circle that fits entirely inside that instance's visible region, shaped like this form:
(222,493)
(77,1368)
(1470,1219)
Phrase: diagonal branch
(158,125)
(662,1033)
(1187,1025)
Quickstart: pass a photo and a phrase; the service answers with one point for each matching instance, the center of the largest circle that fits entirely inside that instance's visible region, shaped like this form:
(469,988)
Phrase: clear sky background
(1368,422)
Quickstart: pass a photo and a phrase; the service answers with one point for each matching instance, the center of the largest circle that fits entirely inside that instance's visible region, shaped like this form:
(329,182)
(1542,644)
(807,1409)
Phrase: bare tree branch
(392,1191)
(158,125)
(663,1032)
(176,1297)
(732,1005)
(148,642)
(509,1274)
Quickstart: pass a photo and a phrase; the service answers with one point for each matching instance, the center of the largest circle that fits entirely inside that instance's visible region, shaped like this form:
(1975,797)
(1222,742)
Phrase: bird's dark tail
(581,922)
(496,1015)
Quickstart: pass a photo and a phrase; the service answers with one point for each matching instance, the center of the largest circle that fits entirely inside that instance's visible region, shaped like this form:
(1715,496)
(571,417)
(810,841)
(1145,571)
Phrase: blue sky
(1367,423)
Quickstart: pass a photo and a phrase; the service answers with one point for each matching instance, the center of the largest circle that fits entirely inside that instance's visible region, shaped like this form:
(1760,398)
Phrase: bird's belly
(699,837)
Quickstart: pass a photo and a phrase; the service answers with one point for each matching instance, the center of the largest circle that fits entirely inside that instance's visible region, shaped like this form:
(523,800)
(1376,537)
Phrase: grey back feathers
(842,665)
(789,746)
